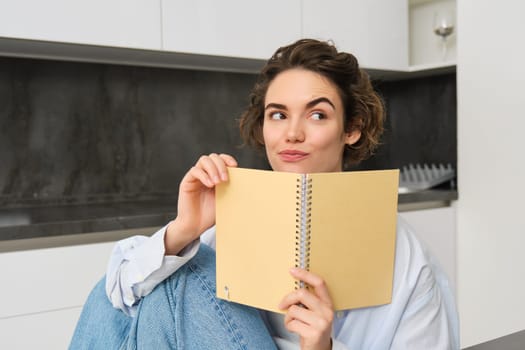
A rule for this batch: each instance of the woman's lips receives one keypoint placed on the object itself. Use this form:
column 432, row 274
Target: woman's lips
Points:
column 292, row 155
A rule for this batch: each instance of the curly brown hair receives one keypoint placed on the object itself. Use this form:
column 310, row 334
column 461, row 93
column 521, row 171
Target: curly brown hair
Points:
column 363, row 108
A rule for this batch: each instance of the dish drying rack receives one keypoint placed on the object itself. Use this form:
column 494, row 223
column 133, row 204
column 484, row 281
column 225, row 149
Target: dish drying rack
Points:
column 419, row 177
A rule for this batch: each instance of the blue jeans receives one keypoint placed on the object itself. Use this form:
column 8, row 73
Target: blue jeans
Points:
column 180, row 313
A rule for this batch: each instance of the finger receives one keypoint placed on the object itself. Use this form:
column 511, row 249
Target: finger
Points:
column 198, row 174
column 297, row 312
column 320, row 319
column 306, row 298
column 221, row 165
column 317, row 283
column 207, row 164
column 309, row 325
column 297, row 327
column 229, row 160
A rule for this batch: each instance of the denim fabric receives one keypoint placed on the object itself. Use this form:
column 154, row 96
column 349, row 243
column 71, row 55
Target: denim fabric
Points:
column 100, row 325
column 180, row 313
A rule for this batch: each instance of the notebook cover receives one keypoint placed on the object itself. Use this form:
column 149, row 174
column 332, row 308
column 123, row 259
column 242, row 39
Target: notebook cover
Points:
column 352, row 236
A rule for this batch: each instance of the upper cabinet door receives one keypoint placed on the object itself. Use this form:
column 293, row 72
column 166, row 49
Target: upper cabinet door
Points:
column 375, row 31
column 237, row 28
column 119, row 23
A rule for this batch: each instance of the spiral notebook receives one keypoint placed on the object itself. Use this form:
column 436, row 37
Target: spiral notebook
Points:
column 341, row 226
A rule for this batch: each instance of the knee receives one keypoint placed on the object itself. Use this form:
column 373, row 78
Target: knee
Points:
column 99, row 322
column 197, row 275
column 98, row 293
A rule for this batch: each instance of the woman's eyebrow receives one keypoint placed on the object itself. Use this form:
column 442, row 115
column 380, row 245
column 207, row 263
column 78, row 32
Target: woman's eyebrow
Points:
column 319, row 100
column 275, row 105
column 308, row 105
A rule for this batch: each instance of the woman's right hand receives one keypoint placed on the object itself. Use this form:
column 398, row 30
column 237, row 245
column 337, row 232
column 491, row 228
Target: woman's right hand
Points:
column 196, row 203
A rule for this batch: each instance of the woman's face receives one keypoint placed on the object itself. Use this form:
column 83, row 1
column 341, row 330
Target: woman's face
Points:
column 303, row 123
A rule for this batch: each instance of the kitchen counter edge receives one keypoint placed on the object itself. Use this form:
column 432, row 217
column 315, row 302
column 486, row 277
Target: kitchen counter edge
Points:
column 100, row 220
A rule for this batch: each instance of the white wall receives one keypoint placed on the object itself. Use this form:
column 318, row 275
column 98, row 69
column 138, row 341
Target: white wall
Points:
column 491, row 168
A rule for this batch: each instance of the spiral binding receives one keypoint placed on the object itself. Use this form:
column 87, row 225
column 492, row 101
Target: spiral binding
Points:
column 303, row 224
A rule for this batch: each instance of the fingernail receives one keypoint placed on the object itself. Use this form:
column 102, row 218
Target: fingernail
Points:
column 224, row 177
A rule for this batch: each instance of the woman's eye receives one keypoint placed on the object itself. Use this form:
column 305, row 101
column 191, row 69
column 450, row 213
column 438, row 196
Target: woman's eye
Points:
column 277, row 116
column 318, row 116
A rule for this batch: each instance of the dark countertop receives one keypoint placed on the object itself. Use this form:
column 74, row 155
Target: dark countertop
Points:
column 47, row 221
column 428, row 196
column 58, row 220
column 514, row 341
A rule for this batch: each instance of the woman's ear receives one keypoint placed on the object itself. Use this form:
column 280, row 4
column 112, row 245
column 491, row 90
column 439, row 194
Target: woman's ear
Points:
column 352, row 137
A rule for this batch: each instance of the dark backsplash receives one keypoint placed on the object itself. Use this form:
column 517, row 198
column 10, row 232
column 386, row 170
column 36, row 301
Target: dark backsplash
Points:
column 79, row 132
column 421, row 124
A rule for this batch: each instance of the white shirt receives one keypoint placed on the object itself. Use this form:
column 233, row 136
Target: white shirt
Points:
column 421, row 316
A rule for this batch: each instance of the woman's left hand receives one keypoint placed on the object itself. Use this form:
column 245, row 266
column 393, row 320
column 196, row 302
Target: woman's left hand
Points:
column 309, row 312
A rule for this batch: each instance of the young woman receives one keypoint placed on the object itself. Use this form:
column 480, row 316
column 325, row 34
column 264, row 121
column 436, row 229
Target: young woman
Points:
column 312, row 110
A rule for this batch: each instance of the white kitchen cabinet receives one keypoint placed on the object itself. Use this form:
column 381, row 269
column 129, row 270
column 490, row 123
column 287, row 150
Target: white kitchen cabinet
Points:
column 43, row 291
column 46, row 330
column 375, row 31
column 436, row 229
column 236, row 28
column 118, row 23
column 387, row 36
column 427, row 48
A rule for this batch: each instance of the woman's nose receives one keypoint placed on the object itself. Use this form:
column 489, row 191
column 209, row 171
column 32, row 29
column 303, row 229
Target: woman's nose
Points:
column 295, row 132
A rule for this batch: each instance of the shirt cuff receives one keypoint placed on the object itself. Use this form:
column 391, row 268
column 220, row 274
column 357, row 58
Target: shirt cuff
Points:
column 150, row 266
